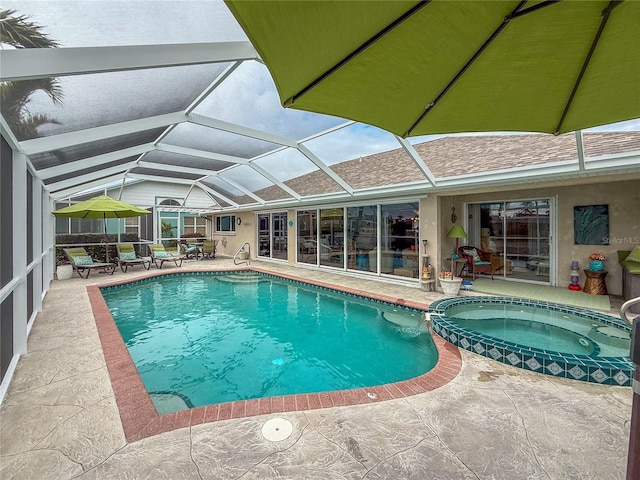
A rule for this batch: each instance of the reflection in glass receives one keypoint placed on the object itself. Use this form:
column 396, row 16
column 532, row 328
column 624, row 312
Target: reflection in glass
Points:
column 362, row 237
column 168, row 226
column 399, row 242
column 272, row 235
column 331, row 247
column 279, row 235
column 308, row 236
column 264, row 239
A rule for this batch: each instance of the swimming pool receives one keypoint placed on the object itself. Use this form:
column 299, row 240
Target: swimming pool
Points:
column 212, row 337
column 548, row 338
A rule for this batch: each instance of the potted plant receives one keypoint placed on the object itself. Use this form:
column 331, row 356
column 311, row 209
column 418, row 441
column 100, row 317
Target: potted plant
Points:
column 450, row 285
column 596, row 261
column 64, row 270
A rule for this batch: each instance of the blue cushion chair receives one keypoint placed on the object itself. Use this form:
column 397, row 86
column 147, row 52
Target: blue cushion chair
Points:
column 127, row 257
column 159, row 255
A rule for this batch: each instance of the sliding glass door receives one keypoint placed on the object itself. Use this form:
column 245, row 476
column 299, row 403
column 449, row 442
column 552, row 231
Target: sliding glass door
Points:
column 272, row 235
column 518, row 234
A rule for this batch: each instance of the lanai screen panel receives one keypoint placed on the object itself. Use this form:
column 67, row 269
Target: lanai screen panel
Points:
column 107, row 98
column 159, row 172
column 68, row 155
column 365, row 156
column 353, row 141
column 168, row 159
column 253, row 181
column 224, row 188
column 463, row 155
column 256, row 105
column 610, row 143
column 96, row 23
column 298, row 172
column 91, row 169
column 212, row 140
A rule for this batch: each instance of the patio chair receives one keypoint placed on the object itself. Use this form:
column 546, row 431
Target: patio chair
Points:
column 478, row 261
column 189, row 251
column 209, row 248
column 83, row 263
column 127, row 257
column 159, row 255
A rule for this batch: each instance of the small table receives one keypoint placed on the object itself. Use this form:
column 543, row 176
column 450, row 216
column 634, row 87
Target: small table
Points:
column 595, row 282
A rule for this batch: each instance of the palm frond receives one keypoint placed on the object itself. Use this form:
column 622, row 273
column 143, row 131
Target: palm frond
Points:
column 19, row 32
column 28, row 126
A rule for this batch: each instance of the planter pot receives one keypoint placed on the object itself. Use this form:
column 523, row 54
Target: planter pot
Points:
column 450, row 286
column 64, row 272
column 596, row 265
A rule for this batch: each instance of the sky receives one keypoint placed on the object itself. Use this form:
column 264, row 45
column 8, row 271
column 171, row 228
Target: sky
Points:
column 248, row 97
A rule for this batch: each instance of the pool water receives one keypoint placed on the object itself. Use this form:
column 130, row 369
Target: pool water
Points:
column 543, row 329
column 213, row 338
column 534, row 334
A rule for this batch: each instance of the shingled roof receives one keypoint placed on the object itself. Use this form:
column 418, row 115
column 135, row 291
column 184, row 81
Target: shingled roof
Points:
column 459, row 155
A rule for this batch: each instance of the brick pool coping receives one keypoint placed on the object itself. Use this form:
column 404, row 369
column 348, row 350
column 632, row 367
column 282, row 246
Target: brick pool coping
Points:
column 138, row 414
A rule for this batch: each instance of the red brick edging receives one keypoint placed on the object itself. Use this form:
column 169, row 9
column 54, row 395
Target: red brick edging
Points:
column 140, row 419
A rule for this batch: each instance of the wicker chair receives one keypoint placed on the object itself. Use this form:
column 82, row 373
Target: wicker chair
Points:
column 478, row 261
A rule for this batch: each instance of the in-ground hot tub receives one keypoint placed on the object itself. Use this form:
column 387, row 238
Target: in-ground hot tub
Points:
column 543, row 337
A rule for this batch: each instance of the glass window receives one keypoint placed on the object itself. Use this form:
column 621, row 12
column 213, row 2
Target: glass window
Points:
column 279, row 235
column 332, row 237
column 308, row 236
column 226, row 223
column 168, row 227
column 195, row 224
column 264, row 237
column 399, row 240
column 362, row 237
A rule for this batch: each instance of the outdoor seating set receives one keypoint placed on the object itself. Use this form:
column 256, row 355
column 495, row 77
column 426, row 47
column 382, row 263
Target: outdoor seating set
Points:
column 195, row 250
column 127, row 257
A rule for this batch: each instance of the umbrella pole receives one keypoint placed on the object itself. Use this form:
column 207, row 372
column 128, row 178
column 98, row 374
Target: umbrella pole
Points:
column 106, row 237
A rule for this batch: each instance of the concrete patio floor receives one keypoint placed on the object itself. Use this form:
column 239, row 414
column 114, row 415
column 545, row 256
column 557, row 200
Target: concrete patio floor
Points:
column 59, row 419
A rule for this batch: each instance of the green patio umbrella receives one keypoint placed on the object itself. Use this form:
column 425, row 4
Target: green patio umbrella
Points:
column 103, row 207
column 425, row 67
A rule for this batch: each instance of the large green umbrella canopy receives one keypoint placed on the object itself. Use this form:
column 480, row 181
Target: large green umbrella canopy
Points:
column 103, row 207
column 416, row 68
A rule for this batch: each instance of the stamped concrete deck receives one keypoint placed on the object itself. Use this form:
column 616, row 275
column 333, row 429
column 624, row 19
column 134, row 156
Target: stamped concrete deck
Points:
column 60, row 418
